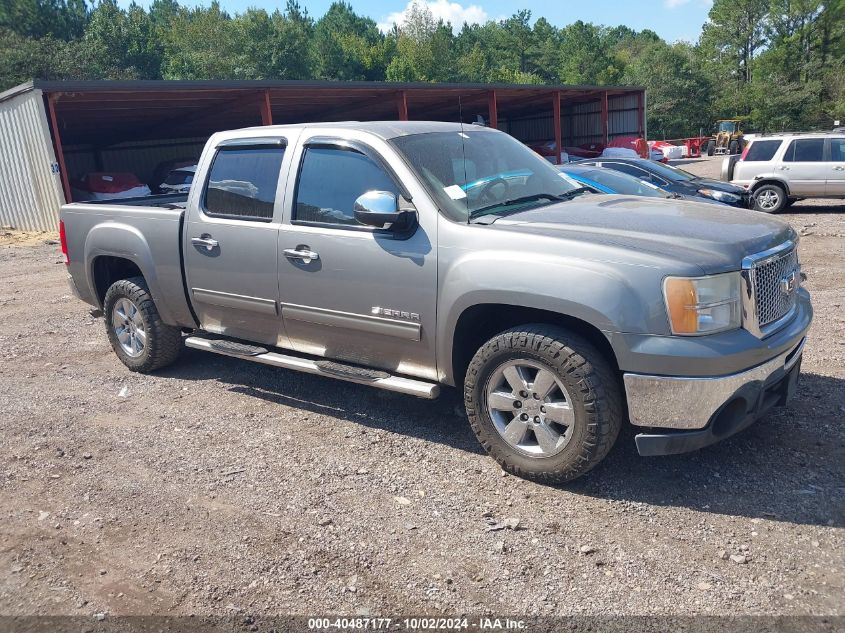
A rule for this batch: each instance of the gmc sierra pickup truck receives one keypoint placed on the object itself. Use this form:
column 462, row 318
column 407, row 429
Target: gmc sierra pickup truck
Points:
column 412, row 255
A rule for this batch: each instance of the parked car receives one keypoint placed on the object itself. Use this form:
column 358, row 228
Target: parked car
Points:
column 671, row 178
column 357, row 251
column 179, row 180
column 548, row 150
column 108, row 185
column 603, row 180
column 165, row 167
column 778, row 170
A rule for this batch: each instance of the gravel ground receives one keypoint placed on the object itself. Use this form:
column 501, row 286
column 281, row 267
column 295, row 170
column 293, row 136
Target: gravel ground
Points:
column 218, row 486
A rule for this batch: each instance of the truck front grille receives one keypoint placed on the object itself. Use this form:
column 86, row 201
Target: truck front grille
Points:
column 775, row 281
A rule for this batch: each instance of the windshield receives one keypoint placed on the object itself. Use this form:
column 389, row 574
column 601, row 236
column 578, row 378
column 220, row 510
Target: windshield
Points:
column 475, row 173
column 622, row 183
column 179, row 177
column 670, row 173
column 727, row 126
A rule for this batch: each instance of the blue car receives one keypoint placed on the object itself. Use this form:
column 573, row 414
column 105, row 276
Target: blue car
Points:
column 603, row 180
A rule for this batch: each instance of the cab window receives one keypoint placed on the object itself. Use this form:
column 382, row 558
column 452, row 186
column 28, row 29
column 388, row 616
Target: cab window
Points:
column 242, row 183
column 331, row 179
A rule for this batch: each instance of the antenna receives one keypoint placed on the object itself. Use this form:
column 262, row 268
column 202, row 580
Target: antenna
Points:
column 463, row 150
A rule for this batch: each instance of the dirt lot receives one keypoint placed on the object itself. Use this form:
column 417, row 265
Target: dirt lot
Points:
column 219, row 487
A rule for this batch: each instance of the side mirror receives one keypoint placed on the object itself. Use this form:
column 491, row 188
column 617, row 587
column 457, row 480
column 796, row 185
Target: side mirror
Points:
column 377, row 208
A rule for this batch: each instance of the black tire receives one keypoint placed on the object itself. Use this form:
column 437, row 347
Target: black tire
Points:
column 733, row 147
column 594, row 391
column 769, row 198
column 163, row 342
column 711, row 147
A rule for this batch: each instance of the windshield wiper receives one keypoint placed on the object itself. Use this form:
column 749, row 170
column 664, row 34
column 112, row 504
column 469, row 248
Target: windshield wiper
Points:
column 531, row 198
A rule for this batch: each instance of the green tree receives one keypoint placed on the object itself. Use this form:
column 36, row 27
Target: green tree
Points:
column 201, row 43
column 678, row 103
column 423, row 48
column 347, row 46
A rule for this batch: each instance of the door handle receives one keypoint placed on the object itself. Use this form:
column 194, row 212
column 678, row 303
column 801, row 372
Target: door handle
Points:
column 205, row 240
column 839, row 168
column 301, row 252
column 784, row 168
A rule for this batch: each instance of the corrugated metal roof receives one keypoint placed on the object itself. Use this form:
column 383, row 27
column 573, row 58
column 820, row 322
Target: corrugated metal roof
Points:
column 171, row 84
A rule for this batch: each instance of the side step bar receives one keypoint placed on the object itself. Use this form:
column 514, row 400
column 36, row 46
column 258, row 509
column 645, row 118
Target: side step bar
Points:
column 329, row 369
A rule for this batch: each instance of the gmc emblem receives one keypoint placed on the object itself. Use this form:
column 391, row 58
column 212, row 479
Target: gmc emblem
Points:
column 789, row 283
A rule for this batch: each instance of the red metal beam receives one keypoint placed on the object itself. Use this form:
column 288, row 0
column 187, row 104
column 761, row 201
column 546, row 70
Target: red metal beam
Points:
column 402, row 105
column 556, row 116
column 57, row 146
column 604, row 127
column 266, row 110
column 640, row 115
column 493, row 109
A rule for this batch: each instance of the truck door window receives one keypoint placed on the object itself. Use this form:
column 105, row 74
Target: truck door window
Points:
column 805, row 150
column 242, row 183
column 331, row 179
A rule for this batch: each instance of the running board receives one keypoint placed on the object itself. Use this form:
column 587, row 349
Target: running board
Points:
column 329, row 369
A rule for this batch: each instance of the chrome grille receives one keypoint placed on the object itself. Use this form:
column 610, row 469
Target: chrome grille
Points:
column 767, row 275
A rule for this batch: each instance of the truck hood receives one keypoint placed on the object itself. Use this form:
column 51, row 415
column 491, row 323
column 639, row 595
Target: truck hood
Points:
column 714, row 237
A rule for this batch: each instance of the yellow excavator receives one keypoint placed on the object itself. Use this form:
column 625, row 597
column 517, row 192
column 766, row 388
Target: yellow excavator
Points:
column 727, row 138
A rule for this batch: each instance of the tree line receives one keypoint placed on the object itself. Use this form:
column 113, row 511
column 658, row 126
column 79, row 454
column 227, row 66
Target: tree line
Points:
column 779, row 64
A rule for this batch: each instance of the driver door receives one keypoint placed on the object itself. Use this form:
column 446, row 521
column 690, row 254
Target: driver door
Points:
column 348, row 291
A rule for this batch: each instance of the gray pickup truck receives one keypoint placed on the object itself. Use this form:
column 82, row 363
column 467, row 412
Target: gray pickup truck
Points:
column 412, row 255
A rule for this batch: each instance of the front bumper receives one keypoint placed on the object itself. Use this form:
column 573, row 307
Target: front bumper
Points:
column 699, row 411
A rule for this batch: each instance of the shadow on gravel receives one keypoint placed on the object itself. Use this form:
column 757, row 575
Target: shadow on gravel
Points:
column 789, row 466
column 440, row 420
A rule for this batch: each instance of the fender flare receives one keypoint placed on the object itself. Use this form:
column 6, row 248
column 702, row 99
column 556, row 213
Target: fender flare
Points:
column 116, row 239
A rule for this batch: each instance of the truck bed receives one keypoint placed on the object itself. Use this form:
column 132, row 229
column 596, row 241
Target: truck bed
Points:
column 146, row 231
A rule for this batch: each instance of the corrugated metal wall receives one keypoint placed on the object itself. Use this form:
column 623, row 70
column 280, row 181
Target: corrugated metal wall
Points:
column 30, row 185
column 580, row 124
column 139, row 158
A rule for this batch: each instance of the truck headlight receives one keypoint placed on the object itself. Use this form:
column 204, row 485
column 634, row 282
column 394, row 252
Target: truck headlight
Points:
column 703, row 305
column 721, row 196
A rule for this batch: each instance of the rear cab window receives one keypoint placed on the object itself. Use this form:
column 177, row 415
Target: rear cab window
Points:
column 243, row 181
column 762, row 151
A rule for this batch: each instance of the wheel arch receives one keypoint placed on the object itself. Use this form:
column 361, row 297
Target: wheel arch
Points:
column 108, row 269
column 122, row 249
column 480, row 322
column 770, row 180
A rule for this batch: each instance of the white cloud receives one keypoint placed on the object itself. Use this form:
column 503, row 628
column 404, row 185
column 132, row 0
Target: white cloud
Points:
column 673, row 4
column 452, row 12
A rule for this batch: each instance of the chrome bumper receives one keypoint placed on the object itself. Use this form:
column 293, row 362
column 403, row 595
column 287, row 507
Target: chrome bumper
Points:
column 671, row 402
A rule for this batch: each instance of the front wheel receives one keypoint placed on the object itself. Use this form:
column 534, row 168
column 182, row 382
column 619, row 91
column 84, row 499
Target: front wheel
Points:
column 543, row 402
column 136, row 332
column 769, row 198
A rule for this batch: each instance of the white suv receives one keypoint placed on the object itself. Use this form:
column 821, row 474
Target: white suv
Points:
column 783, row 168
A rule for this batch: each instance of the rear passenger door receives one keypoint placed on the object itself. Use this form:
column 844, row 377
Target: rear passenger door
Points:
column 835, row 185
column 803, row 167
column 231, row 239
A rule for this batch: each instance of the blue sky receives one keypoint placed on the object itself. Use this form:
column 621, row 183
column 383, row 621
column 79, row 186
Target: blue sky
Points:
column 671, row 19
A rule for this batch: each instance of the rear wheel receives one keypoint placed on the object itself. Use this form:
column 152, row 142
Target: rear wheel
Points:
column 733, row 148
column 136, row 332
column 769, row 198
column 543, row 402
